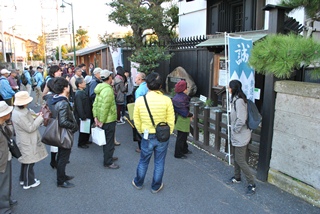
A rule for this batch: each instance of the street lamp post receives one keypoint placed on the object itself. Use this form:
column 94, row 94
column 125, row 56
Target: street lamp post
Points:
column 74, row 43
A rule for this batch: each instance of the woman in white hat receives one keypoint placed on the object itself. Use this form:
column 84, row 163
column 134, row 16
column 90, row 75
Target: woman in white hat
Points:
column 5, row 161
column 28, row 139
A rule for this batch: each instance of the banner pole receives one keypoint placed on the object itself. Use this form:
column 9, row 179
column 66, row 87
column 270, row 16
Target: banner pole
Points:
column 226, row 52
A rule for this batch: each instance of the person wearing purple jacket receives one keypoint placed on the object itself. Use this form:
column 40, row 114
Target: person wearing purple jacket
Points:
column 181, row 102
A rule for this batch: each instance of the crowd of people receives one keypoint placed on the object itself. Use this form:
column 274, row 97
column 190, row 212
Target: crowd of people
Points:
column 74, row 94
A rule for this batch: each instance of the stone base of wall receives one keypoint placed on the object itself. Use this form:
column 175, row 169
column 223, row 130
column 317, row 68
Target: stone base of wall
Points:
column 294, row 187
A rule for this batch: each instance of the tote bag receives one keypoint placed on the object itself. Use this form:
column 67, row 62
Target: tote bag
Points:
column 54, row 135
column 98, row 136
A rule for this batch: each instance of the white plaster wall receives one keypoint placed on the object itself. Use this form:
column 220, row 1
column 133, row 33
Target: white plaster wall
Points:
column 192, row 18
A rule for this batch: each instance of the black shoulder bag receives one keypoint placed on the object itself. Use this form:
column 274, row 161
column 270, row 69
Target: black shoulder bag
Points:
column 14, row 149
column 162, row 128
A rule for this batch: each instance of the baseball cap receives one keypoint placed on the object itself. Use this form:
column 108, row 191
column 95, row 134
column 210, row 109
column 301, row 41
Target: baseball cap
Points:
column 5, row 71
column 104, row 74
column 97, row 70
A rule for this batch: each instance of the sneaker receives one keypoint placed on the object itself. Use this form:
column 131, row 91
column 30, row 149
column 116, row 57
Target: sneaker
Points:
column 251, row 189
column 37, row 183
column 156, row 191
column 21, row 183
column 116, row 143
column 134, row 184
column 119, row 122
column 233, row 180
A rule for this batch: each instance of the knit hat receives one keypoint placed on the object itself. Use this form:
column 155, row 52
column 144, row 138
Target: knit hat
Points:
column 22, row 98
column 180, row 86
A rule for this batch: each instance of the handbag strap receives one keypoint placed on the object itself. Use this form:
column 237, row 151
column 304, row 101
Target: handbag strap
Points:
column 145, row 100
column 9, row 140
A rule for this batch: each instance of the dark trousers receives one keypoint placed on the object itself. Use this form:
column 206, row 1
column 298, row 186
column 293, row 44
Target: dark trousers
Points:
column 240, row 163
column 27, row 174
column 108, row 149
column 119, row 111
column 5, row 189
column 83, row 138
column 62, row 160
column 181, row 147
column 136, row 137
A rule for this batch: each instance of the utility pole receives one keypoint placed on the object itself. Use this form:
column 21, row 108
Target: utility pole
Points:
column 43, row 36
column 14, row 47
column 59, row 46
column 2, row 33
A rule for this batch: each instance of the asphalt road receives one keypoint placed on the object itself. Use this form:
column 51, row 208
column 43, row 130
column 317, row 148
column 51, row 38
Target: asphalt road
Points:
column 193, row 185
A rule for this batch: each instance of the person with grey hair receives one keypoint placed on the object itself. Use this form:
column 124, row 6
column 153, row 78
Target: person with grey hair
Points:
column 96, row 79
column 82, row 111
column 77, row 74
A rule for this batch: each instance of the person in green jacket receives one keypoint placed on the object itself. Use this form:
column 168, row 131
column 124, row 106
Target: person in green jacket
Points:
column 105, row 116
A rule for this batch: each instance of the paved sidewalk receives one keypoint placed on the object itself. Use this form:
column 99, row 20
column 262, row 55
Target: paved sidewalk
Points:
column 193, row 185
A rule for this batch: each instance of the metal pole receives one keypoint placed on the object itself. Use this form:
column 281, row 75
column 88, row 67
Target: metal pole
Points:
column 74, row 43
column 227, row 95
column 58, row 26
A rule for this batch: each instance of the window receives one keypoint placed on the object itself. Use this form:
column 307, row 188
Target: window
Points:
column 237, row 18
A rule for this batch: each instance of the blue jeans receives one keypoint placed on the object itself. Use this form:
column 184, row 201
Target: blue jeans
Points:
column 152, row 145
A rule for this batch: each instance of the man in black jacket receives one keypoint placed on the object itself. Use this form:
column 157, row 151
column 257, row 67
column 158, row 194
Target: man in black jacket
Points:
column 82, row 111
column 63, row 112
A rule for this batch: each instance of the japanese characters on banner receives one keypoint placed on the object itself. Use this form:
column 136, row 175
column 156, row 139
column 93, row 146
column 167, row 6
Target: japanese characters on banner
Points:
column 239, row 53
column 116, row 54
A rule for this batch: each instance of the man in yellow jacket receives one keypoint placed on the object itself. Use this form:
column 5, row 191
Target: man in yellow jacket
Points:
column 161, row 109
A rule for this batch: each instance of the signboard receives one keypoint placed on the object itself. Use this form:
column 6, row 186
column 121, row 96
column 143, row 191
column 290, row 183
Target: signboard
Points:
column 239, row 50
column 223, row 74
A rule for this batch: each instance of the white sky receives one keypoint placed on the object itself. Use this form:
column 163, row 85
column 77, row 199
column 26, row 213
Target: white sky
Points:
column 91, row 15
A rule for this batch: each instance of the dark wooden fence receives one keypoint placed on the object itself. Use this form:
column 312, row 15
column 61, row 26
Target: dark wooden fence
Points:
column 196, row 61
column 209, row 132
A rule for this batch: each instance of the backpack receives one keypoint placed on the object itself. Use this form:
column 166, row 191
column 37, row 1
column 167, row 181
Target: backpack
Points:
column 1, row 98
column 254, row 117
column 33, row 80
column 24, row 79
column 43, row 85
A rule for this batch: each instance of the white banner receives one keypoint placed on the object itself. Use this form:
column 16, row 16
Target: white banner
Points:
column 116, row 54
column 134, row 71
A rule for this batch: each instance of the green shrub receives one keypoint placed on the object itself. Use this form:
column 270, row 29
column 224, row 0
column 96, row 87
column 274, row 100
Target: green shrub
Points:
column 281, row 55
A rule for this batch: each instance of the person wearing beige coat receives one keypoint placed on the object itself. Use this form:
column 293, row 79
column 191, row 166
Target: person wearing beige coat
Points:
column 28, row 139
